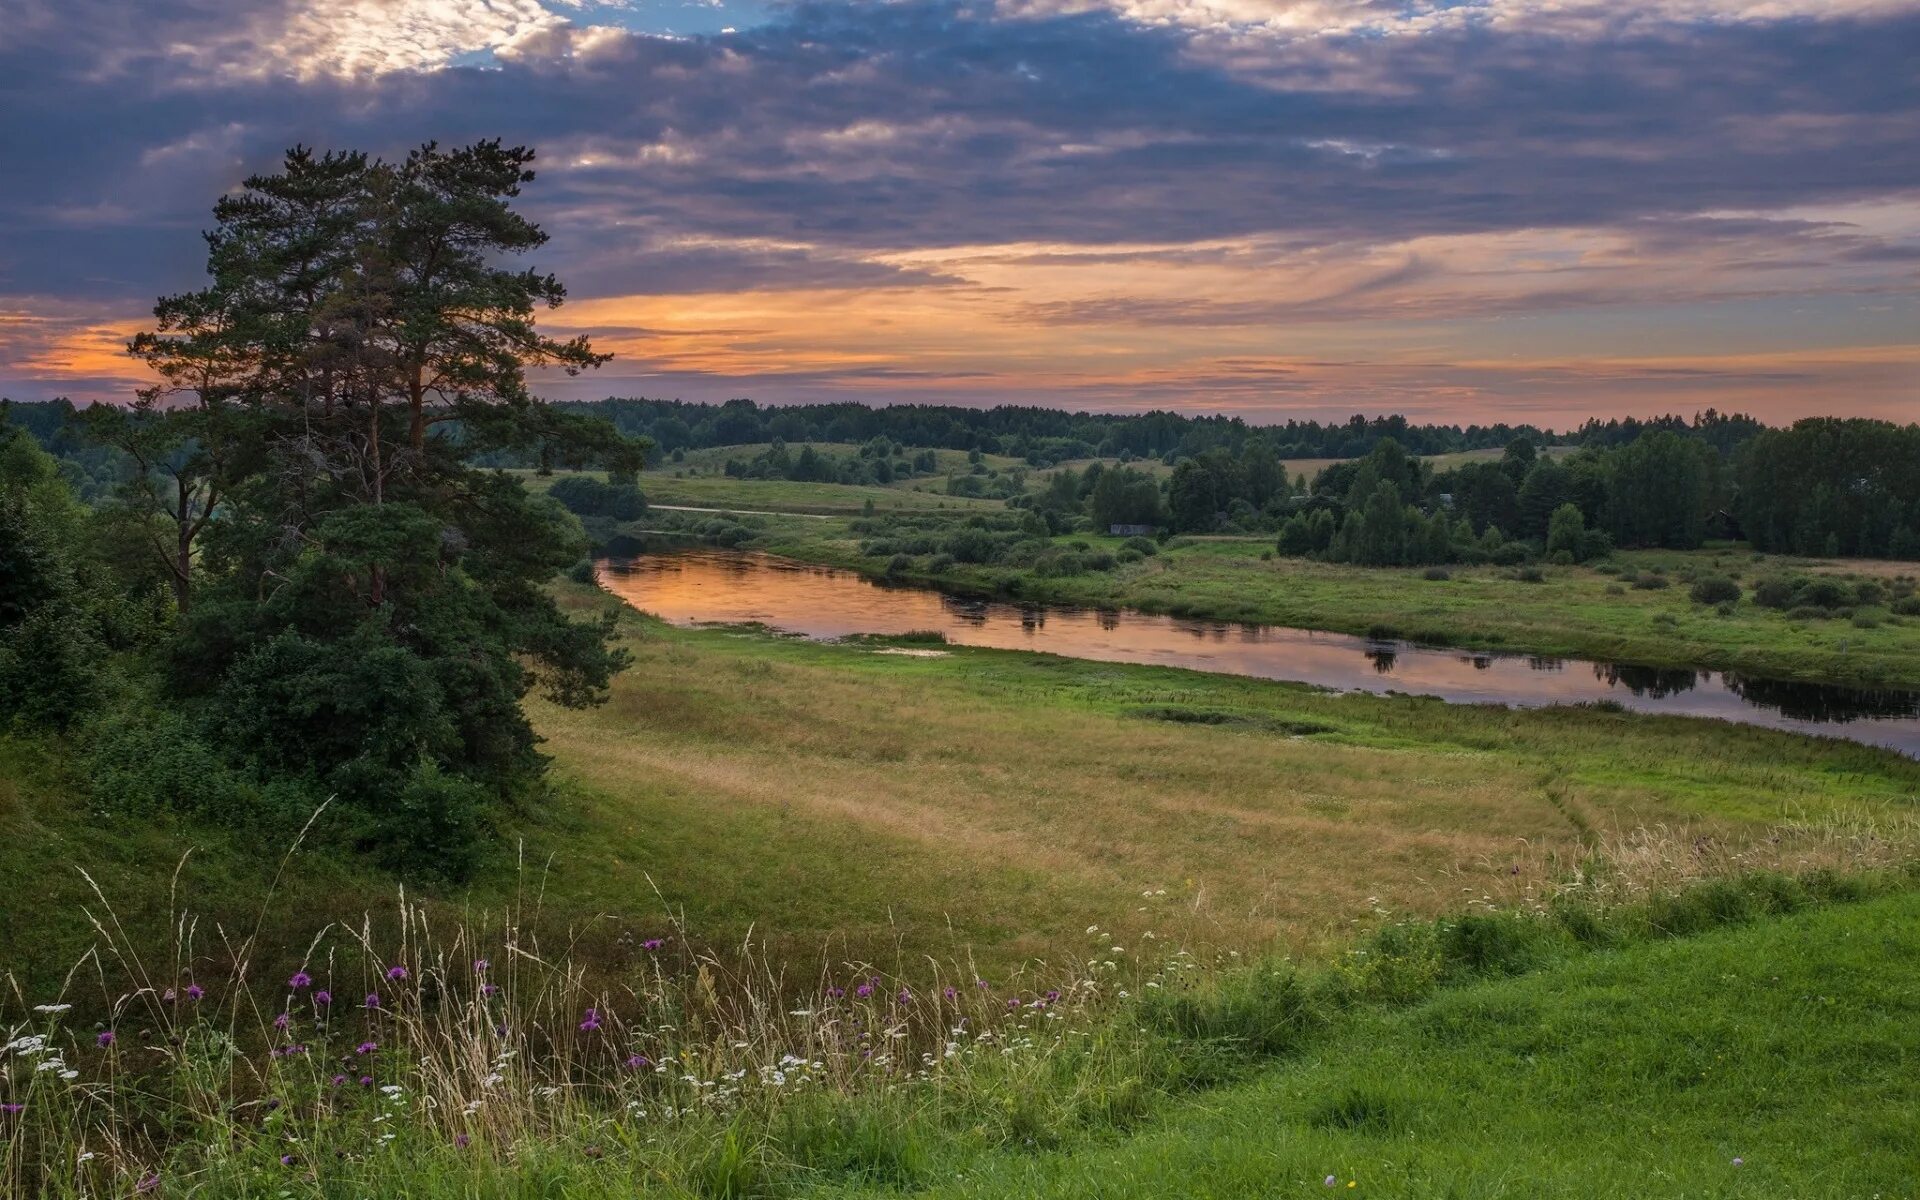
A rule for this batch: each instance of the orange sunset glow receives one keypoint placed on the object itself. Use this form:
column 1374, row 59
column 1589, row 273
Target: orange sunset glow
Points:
column 1278, row 209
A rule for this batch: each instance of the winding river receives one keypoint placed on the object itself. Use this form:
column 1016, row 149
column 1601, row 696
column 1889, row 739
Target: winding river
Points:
column 703, row 586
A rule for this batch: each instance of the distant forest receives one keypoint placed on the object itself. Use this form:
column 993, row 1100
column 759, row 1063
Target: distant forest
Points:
column 1041, row 436
column 1823, row 486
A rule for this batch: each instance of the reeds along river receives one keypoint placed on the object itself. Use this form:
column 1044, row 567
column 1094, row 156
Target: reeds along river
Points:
column 691, row 586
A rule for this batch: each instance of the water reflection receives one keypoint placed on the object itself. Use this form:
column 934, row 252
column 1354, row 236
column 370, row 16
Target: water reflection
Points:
column 1655, row 683
column 702, row 585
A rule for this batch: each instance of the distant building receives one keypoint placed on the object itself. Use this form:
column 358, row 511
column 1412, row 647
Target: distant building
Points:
column 1130, row 530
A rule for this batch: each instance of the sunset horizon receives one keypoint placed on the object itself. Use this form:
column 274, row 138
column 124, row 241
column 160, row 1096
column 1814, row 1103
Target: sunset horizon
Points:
column 1500, row 211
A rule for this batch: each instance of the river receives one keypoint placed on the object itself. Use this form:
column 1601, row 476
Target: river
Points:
column 706, row 586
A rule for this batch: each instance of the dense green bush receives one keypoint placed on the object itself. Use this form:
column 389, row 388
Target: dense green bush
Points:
column 589, row 497
column 1714, row 589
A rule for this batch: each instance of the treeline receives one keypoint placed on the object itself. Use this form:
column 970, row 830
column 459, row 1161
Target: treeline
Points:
column 1824, row 486
column 295, row 592
column 1041, row 436
column 879, row 461
column 1832, row 486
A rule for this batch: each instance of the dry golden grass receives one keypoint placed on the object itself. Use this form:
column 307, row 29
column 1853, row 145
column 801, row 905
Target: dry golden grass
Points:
column 1006, row 802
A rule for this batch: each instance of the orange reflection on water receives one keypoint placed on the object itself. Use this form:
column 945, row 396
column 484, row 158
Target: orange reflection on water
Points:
column 728, row 587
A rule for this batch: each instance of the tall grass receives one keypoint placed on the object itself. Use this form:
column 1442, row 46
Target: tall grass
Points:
column 464, row 1057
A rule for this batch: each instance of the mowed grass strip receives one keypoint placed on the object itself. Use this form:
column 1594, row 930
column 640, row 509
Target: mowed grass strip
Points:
column 1003, row 802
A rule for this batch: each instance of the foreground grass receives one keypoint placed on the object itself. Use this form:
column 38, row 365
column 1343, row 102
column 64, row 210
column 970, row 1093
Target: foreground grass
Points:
column 1767, row 1061
column 1744, row 1036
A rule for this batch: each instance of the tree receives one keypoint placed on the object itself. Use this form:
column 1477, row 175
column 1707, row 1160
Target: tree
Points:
column 1193, row 497
column 1381, row 539
column 1124, row 496
column 1544, row 490
column 358, row 346
column 1566, row 533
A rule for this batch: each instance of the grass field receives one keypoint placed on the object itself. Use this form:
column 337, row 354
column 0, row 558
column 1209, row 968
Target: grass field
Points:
column 1005, row 801
column 977, row 812
column 1773, row 1060
column 992, row 802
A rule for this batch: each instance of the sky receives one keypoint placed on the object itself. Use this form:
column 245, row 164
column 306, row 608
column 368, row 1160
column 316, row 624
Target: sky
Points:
column 1460, row 210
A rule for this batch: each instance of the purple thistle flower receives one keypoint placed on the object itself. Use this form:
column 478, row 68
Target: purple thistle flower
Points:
column 287, row 1160
column 480, row 966
column 366, row 1081
column 298, row 980
column 167, row 997
column 105, row 1039
column 836, row 993
column 322, row 998
column 1052, row 996
column 283, row 1020
column 489, row 989
column 1013, row 1002
column 653, row 943
column 366, row 1048
column 591, row 1022
column 461, row 1141
column 373, row 999
column 195, row 991
column 982, row 984
column 905, row 996
column 12, row 1109
column 339, row 1080
column 148, row 1182
column 636, row 1061
column 863, row 991
column 1331, row 1181
column 949, row 993
column 396, row 972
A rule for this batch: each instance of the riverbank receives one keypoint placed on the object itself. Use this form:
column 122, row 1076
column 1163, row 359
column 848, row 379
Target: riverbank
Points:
column 1588, row 612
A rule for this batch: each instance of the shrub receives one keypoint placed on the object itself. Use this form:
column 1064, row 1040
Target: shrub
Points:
column 1823, row 591
column 899, row 563
column 1714, row 589
column 1528, row 575
column 1436, row 574
column 1141, row 545
column 1614, row 589
column 1773, row 593
column 581, row 572
column 1651, row 582
column 1907, row 606
column 156, row 762
column 589, row 497
column 1865, row 621
column 940, row 562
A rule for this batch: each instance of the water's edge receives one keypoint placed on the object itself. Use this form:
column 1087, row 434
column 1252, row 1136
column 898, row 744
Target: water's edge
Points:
column 704, row 585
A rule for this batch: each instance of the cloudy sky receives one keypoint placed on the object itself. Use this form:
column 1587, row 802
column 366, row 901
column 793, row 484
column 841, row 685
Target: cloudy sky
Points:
column 1457, row 209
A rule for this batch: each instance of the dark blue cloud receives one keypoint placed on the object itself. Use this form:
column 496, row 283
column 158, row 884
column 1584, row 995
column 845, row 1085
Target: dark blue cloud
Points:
column 926, row 123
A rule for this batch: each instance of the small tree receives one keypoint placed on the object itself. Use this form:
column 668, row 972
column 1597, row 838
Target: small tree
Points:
column 1566, row 533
